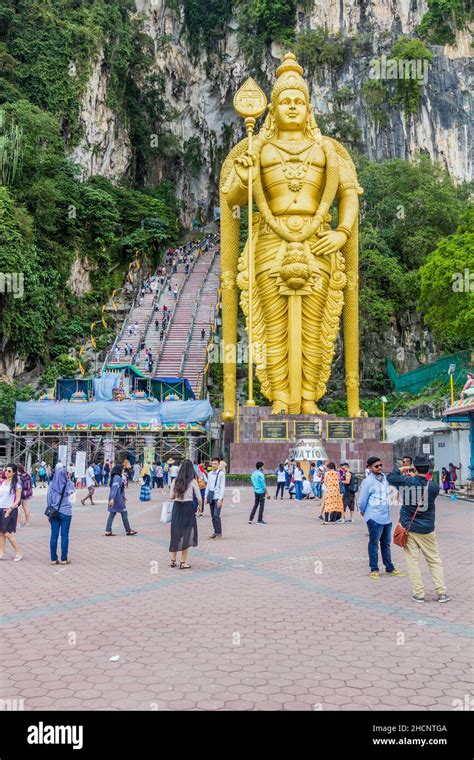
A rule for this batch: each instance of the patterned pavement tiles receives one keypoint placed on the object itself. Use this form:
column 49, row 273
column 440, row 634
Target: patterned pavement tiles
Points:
column 278, row 616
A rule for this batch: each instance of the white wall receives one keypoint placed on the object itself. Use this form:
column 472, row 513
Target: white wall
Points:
column 452, row 446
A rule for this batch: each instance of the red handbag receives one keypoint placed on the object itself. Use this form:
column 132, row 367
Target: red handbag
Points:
column 400, row 534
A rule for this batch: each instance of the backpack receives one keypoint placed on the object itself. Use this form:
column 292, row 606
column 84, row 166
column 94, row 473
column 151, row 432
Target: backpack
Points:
column 27, row 491
column 354, row 484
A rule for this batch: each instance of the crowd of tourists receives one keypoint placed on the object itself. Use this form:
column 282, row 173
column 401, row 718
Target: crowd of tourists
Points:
column 161, row 279
column 409, row 488
column 191, row 487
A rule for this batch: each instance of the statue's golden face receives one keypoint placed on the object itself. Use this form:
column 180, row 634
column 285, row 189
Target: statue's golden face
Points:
column 291, row 110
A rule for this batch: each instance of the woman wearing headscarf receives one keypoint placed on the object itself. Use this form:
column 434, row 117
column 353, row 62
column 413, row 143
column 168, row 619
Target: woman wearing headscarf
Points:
column 145, row 490
column 59, row 497
column 10, row 498
column 145, row 474
column 117, row 502
column 445, row 481
column 184, row 532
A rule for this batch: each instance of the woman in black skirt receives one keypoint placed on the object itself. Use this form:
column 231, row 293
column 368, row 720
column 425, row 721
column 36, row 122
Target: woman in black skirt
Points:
column 184, row 531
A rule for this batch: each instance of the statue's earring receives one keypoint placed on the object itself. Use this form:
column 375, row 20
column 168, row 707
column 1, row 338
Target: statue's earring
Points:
column 269, row 126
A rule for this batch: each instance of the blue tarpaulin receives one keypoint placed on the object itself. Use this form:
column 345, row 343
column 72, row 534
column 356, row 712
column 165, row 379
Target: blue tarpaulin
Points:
column 65, row 387
column 96, row 412
column 104, row 385
column 185, row 411
column 162, row 386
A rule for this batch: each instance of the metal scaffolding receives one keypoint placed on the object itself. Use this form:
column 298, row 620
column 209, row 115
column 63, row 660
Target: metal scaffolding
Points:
column 31, row 447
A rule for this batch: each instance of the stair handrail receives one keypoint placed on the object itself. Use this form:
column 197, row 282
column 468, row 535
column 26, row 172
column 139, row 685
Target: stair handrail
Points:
column 125, row 323
column 152, row 311
column 196, row 309
column 203, row 373
column 132, row 358
column 119, row 336
column 168, row 326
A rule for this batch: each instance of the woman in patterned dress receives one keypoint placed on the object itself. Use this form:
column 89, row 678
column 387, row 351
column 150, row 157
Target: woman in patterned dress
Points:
column 333, row 508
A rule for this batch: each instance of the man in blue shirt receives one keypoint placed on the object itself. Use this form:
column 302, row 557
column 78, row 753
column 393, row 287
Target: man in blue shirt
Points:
column 374, row 505
column 260, row 491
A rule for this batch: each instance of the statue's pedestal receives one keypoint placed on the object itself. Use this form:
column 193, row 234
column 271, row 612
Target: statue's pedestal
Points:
column 260, row 436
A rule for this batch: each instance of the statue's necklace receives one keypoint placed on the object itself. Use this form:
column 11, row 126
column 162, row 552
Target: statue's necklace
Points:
column 292, row 147
column 294, row 167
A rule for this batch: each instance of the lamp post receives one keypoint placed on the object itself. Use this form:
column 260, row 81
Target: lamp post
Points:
column 451, row 371
column 384, row 401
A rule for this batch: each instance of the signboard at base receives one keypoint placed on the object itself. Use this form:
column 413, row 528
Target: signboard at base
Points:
column 339, row 429
column 308, row 429
column 274, row 430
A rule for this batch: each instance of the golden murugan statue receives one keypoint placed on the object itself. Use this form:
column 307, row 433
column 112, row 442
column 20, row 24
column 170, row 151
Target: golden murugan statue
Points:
column 305, row 272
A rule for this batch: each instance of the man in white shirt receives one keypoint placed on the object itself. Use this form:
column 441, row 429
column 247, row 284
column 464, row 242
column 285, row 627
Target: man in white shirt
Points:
column 174, row 469
column 90, row 485
column 306, row 488
column 214, row 495
column 298, row 478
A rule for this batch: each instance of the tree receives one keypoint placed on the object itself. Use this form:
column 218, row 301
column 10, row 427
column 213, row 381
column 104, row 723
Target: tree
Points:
column 24, row 309
column 9, row 395
column 413, row 205
column 447, row 287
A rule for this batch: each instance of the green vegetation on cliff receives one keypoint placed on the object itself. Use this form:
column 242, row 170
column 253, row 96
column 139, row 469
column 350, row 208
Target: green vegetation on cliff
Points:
column 443, row 18
column 447, row 287
column 407, row 209
column 49, row 219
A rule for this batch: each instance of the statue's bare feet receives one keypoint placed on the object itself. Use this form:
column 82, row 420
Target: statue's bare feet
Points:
column 279, row 406
column 310, row 407
column 357, row 412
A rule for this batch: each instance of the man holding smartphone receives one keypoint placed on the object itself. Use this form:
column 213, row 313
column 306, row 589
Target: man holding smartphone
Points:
column 417, row 515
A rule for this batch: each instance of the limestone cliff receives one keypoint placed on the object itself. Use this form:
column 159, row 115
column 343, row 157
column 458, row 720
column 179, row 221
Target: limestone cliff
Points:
column 200, row 92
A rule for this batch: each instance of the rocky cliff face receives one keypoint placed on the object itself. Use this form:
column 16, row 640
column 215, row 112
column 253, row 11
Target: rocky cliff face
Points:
column 105, row 146
column 79, row 280
column 201, row 93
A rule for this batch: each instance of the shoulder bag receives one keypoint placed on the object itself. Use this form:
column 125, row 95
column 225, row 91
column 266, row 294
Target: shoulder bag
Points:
column 53, row 512
column 210, row 494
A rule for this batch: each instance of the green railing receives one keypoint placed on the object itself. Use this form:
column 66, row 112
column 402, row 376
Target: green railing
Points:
column 418, row 379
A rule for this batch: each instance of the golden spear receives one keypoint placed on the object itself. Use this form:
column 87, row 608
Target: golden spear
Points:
column 250, row 103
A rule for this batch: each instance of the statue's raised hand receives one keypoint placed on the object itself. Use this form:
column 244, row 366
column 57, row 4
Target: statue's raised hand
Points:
column 330, row 241
column 242, row 164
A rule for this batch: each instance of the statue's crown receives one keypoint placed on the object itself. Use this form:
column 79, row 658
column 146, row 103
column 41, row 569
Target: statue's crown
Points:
column 289, row 76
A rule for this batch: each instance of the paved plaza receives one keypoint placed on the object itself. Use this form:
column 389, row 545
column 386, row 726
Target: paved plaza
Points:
column 278, row 616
